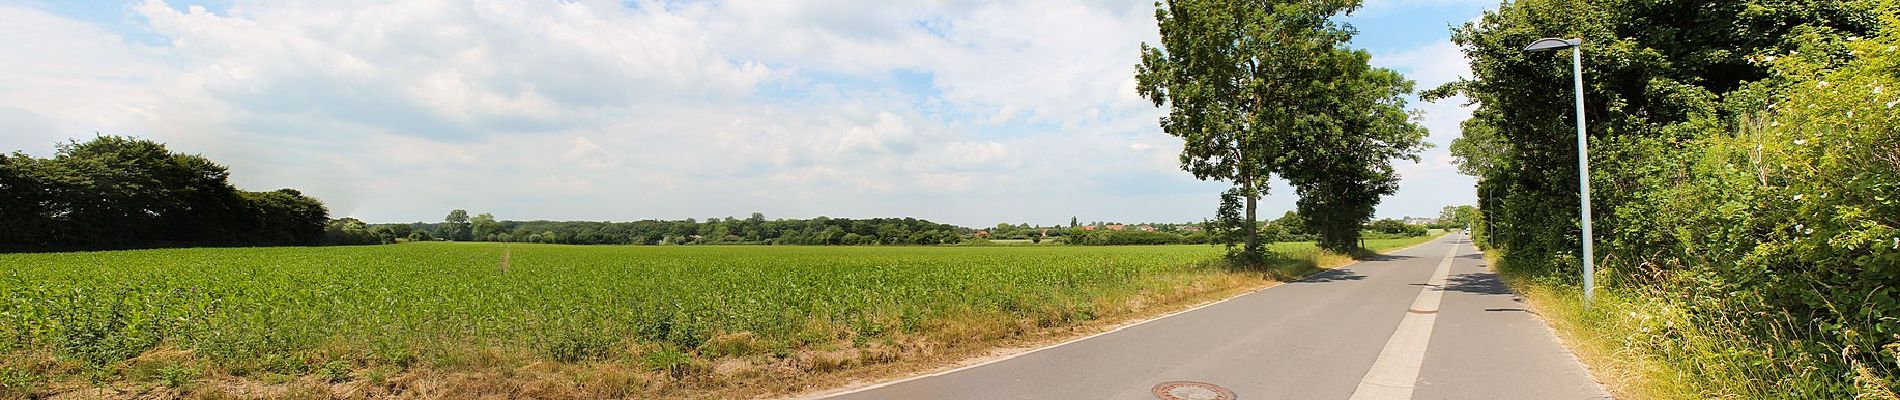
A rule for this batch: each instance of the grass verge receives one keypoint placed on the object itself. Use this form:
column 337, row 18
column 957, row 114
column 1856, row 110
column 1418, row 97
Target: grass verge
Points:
column 1653, row 343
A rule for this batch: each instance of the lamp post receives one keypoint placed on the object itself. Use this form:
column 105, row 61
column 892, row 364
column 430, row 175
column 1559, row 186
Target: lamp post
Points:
column 1583, row 153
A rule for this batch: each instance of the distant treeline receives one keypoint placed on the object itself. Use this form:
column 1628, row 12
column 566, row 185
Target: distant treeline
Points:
column 1288, row 228
column 120, row 192
column 754, row 230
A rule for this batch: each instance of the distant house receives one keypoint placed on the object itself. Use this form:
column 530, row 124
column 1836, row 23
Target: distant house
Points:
column 1088, row 227
column 1191, row 228
column 1115, row 227
column 982, row 234
column 1421, row 221
column 1146, row 228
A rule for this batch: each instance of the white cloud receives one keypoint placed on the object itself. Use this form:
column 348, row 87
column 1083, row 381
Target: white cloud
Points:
column 65, row 78
column 1430, row 65
column 1377, row 8
column 1434, row 181
column 963, row 111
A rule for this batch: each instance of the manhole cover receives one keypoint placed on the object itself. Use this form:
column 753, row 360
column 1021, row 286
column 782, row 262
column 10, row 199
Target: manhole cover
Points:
column 1184, row 390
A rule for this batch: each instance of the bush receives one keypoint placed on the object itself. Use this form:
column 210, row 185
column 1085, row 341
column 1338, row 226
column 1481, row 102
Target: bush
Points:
column 1396, row 227
column 1120, row 238
column 1756, row 206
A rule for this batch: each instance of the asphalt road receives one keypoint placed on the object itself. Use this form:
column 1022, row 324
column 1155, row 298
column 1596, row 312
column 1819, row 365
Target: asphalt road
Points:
column 1428, row 322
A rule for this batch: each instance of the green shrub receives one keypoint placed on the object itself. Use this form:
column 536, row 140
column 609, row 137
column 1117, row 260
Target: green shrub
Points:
column 668, row 360
column 1754, row 211
column 578, row 346
column 177, row 376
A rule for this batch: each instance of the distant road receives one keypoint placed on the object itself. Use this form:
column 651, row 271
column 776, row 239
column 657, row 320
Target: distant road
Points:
column 1378, row 329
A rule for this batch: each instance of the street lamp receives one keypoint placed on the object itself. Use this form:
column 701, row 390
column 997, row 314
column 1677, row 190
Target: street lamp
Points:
column 1583, row 152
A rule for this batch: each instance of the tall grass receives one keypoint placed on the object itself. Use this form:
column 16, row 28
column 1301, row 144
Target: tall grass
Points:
column 1658, row 342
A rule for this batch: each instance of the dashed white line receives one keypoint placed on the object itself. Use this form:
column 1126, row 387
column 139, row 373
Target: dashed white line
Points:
column 1395, row 373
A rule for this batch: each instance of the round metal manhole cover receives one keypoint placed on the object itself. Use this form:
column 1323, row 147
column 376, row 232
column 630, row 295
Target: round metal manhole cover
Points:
column 1184, row 390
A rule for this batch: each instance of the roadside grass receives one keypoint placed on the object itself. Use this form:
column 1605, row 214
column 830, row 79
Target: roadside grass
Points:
column 1599, row 341
column 1649, row 343
column 442, row 320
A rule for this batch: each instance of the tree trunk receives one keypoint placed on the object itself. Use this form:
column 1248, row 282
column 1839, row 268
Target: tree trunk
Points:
column 1253, row 228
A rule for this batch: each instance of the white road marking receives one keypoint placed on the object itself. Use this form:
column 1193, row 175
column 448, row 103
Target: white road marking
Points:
column 1395, row 373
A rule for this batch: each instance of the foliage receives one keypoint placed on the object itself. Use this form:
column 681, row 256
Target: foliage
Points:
column 1744, row 161
column 350, row 231
column 1396, row 227
column 1256, row 88
column 1458, row 217
column 455, row 226
column 1234, row 77
column 1344, row 167
column 121, row 192
column 1131, row 237
column 754, row 230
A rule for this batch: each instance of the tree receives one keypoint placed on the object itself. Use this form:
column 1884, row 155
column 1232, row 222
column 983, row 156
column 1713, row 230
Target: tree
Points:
column 115, row 192
column 456, row 225
column 484, row 227
column 1240, row 80
column 1345, row 163
column 1742, row 155
column 1461, row 216
column 284, row 216
column 350, row 231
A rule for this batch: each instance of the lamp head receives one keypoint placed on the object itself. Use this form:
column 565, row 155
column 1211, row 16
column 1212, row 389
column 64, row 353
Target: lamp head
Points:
column 1548, row 44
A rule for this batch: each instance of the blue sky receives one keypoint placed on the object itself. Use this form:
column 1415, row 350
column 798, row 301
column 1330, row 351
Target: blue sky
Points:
column 966, row 112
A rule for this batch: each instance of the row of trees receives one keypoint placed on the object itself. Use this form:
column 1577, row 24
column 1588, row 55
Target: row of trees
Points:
column 1290, row 227
column 1745, row 158
column 458, row 225
column 1458, row 217
column 121, row 192
column 1257, row 88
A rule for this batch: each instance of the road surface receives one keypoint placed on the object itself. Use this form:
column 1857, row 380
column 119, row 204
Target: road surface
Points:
column 1429, row 322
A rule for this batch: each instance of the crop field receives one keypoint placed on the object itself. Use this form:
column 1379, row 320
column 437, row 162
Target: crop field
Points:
column 452, row 319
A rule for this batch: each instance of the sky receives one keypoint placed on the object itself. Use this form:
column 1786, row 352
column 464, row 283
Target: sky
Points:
column 963, row 112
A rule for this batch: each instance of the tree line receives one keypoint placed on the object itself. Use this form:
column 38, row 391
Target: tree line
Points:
column 756, row 229
column 122, row 192
column 1745, row 160
column 1290, row 227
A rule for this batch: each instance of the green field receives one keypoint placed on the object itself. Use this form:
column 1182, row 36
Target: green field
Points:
column 347, row 313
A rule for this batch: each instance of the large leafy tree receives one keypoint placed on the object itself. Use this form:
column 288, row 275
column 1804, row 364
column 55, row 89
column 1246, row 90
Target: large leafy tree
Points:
column 1344, row 162
column 1256, row 88
column 1237, row 78
column 115, row 192
column 484, row 227
column 456, row 225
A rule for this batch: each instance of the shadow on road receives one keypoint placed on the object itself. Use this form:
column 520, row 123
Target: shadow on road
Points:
column 1472, row 256
column 1332, row 275
column 1480, row 283
column 1510, row 309
column 1386, row 257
